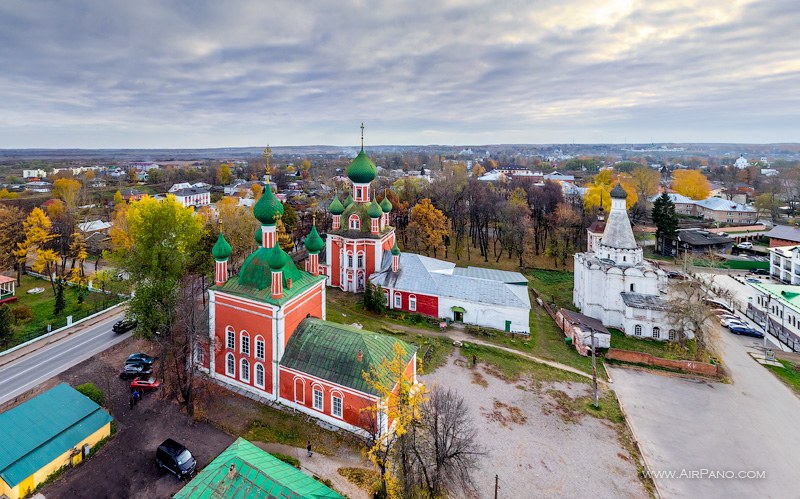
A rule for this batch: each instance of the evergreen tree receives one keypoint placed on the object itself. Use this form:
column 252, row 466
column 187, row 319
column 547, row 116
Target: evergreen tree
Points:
column 368, row 302
column 60, row 302
column 378, row 299
column 6, row 324
column 666, row 221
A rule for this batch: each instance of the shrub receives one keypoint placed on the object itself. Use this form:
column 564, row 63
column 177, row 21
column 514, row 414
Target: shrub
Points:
column 363, row 478
column 91, row 391
column 22, row 313
column 287, row 459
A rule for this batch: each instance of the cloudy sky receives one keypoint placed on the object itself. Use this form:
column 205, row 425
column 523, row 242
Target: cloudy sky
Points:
column 110, row 74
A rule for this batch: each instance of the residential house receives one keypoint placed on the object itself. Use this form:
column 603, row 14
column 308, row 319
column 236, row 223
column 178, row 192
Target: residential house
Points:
column 131, row 195
column 7, row 290
column 724, row 211
column 783, row 235
column 698, row 241
column 777, row 308
column 193, row 197
column 39, row 186
column 579, row 329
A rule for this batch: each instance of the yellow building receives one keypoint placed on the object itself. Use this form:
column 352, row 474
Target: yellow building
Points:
column 44, row 434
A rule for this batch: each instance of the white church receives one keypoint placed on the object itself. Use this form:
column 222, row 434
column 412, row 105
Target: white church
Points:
column 615, row 284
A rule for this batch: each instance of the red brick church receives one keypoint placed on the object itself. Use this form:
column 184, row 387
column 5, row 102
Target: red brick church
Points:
column 268, row 336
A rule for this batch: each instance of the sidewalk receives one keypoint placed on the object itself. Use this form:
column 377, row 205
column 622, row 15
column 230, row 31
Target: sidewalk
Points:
column 324, row 466
column 36, row 344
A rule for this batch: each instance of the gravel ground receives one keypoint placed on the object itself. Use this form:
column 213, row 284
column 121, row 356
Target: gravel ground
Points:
column 535, row 449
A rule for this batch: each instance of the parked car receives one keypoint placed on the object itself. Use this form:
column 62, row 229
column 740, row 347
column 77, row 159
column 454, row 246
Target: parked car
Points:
column 677, row 275
column 133, row 371
column 747, row 331
column 123, row 326
column 720, row 312
column 745, row 245
column 175, row 458
column 753, row 280
column 732, row 323
column 140, row 358
column 761, row 271
column 717, row 304
column 146, row 384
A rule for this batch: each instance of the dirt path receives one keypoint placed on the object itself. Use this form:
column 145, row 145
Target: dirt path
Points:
column 324, row 466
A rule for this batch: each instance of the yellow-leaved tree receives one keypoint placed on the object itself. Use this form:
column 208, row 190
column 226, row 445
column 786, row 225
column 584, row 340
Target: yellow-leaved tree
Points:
column 427, row 226
column 224, row 174
column 37, row 229
column 691, row 183
column 390, row 419
column 67, row 189
column 599, row 190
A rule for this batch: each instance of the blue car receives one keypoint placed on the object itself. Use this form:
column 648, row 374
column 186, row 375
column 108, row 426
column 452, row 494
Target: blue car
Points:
column 746, row 331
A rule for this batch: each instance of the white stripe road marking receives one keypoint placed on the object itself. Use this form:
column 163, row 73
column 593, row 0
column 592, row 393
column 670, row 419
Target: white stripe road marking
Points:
column 60, row 369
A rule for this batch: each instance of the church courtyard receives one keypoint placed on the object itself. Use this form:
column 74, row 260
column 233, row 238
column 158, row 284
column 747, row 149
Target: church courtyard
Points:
column 539, row 434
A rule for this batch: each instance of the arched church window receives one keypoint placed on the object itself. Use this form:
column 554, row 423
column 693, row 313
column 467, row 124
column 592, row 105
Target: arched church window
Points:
column 632, row 288
column 355, row 222
column 244, row 373
column 230, row 365
column 657, row 333
column 637, row 330
column 350, row 260
column 361, row 260
column 672, row 335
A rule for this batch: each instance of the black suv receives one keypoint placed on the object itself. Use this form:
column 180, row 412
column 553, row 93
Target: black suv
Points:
column 124, row 326
column 133, row 371
column 140, row 358
column 175, row 458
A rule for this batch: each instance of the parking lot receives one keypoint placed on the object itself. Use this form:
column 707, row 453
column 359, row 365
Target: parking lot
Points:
column 125, row 466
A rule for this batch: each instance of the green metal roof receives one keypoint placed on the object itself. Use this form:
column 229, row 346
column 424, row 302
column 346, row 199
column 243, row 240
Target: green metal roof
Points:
column 374, row 210
column 348, row 200
column 221, row 249
column 386, row 205
column 330, row 351
column 255, row 279
column 258, row 476
column 314, row 243
column 362, row 170
column 268, row 209
column 395, row 249
column 336, row 207
column 36, row 432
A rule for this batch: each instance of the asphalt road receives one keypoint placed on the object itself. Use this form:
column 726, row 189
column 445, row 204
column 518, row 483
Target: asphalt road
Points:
column 706, row 433
column 30, row 370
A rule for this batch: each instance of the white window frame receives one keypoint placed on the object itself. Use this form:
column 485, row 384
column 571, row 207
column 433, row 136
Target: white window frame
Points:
column 656, row 333
column 230, row 359
column 260, row 348
column 244, row 370
column 672, row 334
column 244, row 343
column 350, row 260
column 398, row 300
column 386, row 297
column 334, row 397
column 637, row 330
column 412, row 303
column 260, row 369
column 314, row 390
column 354, row 222
column 360, row 259
column 230, row 338
column 300, row 400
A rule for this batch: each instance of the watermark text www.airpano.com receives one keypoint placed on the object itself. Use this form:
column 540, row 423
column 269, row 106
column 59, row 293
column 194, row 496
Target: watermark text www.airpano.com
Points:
column 707, row 474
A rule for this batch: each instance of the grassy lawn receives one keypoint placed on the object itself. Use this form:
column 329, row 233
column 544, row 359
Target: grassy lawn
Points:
column 42, row 305
column 663, row 349
column 513, row 366
column 554, row 286
column 789, row 374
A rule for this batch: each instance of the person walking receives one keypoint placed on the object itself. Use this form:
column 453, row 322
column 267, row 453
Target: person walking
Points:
column 308, row 448
column 474, row 360
column 135, row 396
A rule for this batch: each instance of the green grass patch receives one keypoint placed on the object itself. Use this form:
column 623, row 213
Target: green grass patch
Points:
column 512, row 366
column 789, row 374
column 554, row 286
column 43, row 304
column 274, row 425
column 287, row 459
column 663, row 349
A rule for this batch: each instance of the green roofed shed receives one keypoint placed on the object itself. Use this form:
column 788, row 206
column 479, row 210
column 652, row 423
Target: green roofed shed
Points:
column 256, row 475
column 330, row 351
column 39, row 431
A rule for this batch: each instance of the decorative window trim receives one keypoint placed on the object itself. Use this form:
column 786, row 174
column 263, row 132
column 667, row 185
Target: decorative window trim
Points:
column 244, row 370
column 637, row 330
column 260, row 367
column 672, row 335
column 354, row 222
column 656, row 333
column 360, row 259
column 230, row 338
column 263, row 344
column 335, row 395
column 314, row 390
column 228, row 359
column 244, row 343
column 398, row 300
column 302, row 390
column 412, row 303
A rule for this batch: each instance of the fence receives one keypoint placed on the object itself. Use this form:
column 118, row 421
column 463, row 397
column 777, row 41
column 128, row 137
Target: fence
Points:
column 650, row 360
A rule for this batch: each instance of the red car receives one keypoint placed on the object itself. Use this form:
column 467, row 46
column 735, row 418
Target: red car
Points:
column 146, row 384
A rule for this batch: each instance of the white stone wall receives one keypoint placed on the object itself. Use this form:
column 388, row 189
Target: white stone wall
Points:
column 649, row 319
column 487, row 315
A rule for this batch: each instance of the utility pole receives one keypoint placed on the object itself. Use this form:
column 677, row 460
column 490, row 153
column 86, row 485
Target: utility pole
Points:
column 495, row 486
column 594, row 371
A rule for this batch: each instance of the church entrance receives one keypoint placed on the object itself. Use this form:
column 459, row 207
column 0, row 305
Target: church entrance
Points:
column 458, row 314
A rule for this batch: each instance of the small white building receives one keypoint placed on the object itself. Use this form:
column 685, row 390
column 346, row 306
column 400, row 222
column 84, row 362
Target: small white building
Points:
column 741, row 162
column 35, row 173
column 193, row 197
column 776, row 307
column 579, row 328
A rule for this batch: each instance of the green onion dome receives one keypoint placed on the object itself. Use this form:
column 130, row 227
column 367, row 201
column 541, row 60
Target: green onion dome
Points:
column 374, row 210
column 257, row 236
column 277, row 257
column 336, row 207
column 395, row 249
column 348, row 200
column 362, row 170
column 386, row 205
column 221, row 249
column 314, row 243
column 268, row 209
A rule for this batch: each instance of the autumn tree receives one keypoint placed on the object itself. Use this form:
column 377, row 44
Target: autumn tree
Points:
column 399, row 400
column 690, row 315
column 427, row 226
column 691, row 183
column 514, row 230
column 645, row 182
column 566, row 224
column 224, row 174
column 256, row 190
column 5, row 194
column 767, row 205
column 37, row 232
column 599, row 190
column 118, row 199
column 11, row 234
column 238, row 225
column 67, row 189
